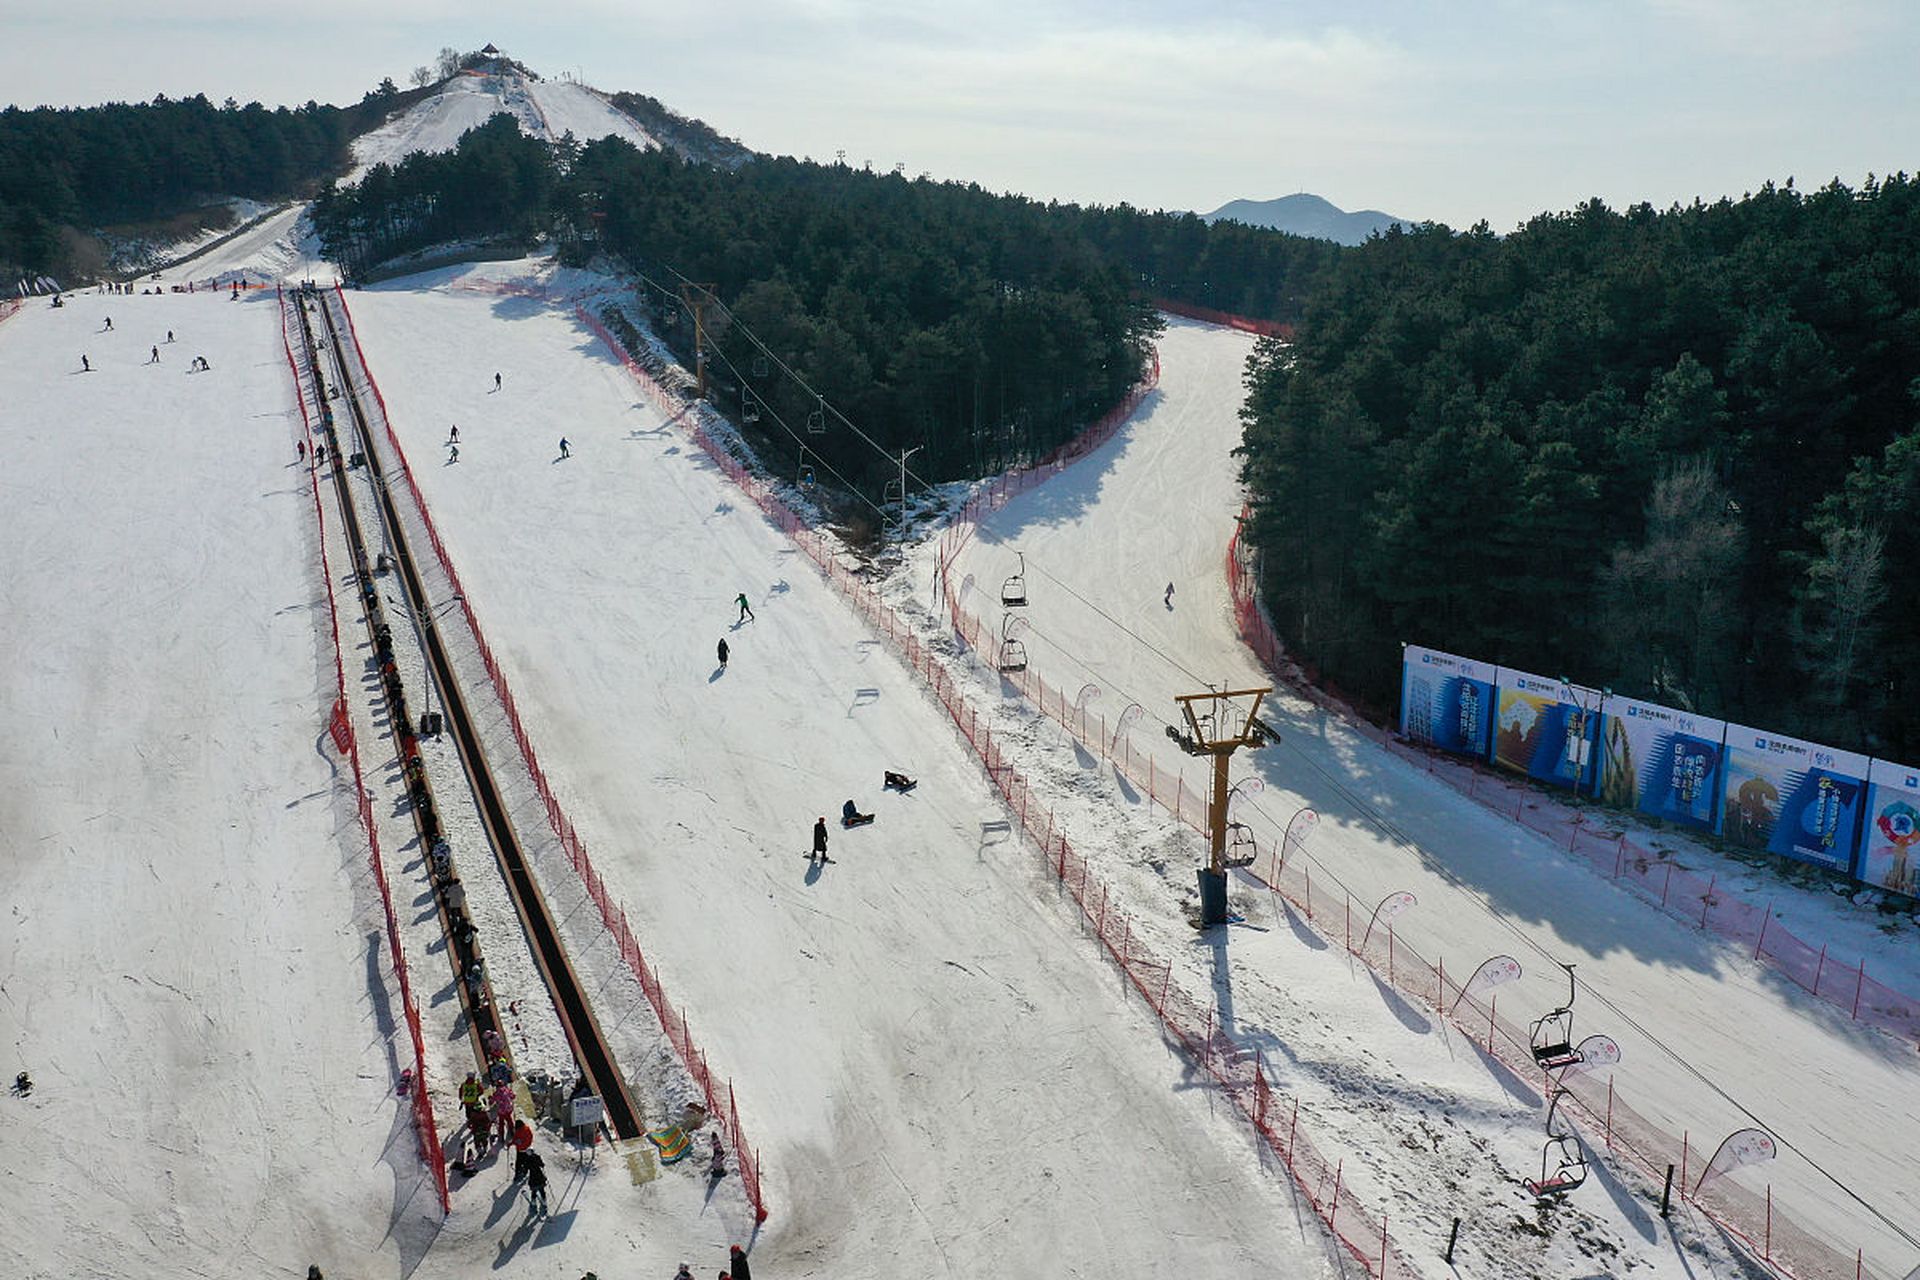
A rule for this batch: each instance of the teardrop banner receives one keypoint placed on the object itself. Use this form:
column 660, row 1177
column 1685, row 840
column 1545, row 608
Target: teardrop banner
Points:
column 1391, row 908
column 1742, row 1147
column 1495, row 971
column 1299, row 827
column 1128, row 718
column 1595, row 1051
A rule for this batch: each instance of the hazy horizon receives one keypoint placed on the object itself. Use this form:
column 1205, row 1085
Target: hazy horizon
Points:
column 1497, row 114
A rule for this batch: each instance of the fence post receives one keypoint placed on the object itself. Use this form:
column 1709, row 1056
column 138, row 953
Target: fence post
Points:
column 1766, row 1250
column 1492, row 1008
column 1389, row 953
column 1858, row 984
column 1609, row 1113
column 1685, row 1138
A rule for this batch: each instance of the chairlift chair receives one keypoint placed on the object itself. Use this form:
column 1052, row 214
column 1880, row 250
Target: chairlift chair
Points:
column 804, row 477
column 817, row 420
column 749, row 407
column 1552, row 1034
column 1013, row 654
column 1013, row 592
column 759, row 366
column 1563, row 1166
column 1241, row 850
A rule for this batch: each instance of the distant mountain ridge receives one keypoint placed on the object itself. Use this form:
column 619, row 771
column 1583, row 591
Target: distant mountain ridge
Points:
column 1306, row 214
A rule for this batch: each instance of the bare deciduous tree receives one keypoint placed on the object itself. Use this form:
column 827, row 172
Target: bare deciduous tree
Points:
column 421, row 77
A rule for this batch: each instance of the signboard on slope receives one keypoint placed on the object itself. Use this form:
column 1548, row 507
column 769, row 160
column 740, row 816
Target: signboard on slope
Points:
column 1890, row 839
column 1662, row 762
column 1791, row 797
column 1546, row 729
column 1446, row 701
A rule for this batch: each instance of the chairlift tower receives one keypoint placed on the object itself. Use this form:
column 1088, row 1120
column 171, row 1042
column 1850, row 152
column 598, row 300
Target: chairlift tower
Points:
column 695, row 298
column 1218, row 730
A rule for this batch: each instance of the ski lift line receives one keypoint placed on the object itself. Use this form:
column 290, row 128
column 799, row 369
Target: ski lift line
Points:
column 1371, row 815
column 768, row 352
column 768, row 411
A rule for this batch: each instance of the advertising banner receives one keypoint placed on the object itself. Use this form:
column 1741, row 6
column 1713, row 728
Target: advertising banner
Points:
column 1662, row 762
column 1546, row 729
column 1890, row 841
column 1791, row 797
column 1446, row 701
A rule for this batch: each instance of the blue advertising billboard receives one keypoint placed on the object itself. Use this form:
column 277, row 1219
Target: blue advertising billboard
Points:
column 1791, row 797
column 1446, row 701
column 1546, row 729
column 1662, row 762
column 1890, row 841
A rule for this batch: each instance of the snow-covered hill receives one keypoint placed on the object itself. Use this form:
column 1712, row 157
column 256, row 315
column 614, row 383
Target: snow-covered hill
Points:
column 544, row 109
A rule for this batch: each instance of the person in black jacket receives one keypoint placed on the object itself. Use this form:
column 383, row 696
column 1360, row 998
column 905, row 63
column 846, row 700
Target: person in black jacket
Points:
column 820, row 840
column 737, row 1264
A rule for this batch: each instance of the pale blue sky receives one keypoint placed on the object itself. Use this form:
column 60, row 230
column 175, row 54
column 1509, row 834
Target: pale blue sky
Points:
column 1454, row 112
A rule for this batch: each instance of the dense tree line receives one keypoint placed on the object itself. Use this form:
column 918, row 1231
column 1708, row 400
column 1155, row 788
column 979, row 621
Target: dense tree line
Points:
column 1671, row 452
column 66, row 171
column 980, row 328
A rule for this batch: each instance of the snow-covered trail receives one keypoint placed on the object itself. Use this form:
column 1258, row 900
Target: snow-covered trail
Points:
column 932, row 1061
column 1702, row 1027
column 193, row 964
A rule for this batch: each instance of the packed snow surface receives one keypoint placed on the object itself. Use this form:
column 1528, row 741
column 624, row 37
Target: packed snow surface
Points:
column 940, row 1072
column 543, row 108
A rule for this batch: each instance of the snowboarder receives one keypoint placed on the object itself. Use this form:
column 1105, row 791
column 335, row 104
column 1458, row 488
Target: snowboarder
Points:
column 169, row 335
column 723, row 652
column 717, row 1162
column 522, row 1147
column 109, row 325
column 320, row 453
column 820, row 840
column 737, row 1263
column 204, row 367
column 565, row 452
column 453, row 453
column 155, row 357
column 453, row 434
column 850, row 815
column 313, row 1271
column 84, row 366
column 23, row 1084
column 684, row 1273
column 536, row 1184
column 496, row 382
column 1169, row 597
column 899, row 781
column 300, row 447
column 746, row 610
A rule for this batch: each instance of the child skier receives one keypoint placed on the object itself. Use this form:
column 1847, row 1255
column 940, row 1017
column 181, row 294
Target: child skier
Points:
column 746, row 611
column 536, row 1184
column 522, row 1149
column 502, row 1113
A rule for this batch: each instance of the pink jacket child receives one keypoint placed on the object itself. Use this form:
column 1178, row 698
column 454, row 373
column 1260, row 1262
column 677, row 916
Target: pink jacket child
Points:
column 503, row 1112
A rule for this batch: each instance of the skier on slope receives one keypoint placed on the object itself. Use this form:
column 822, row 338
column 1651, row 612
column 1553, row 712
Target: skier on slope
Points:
column 746, row 610
column 1169, row 597
column 502, row 1112
column 84, row 366
column 496, row 382
column 453, row 434
column 565, row 451
column 820, row 840
column 536, row 1184
column 737, row 1263
column 453, row 453
column 155, row 357
column 522, row 1147
column 723, row 651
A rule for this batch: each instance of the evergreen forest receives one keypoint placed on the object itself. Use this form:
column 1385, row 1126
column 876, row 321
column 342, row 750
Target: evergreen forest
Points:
column 66, row 171
column 1675, row 453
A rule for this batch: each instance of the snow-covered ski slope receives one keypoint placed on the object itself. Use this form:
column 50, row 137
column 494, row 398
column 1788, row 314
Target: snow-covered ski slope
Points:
column 192, row 968
column 1708, row 1035
column 544, row 109
column 933, row 1063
